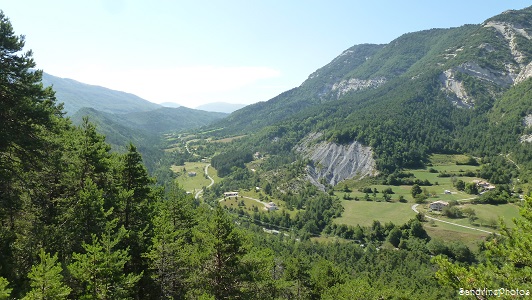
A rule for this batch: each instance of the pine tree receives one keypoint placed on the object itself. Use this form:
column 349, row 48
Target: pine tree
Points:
column 100, row 270
column 46, row 280
column 4, row 291
column 27, row 113
column 134, row 177
column 171, row 250
column 223, row 274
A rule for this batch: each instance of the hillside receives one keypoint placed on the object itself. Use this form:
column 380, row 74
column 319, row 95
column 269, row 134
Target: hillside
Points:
column 137, row 125
column 144, row 129
column 433, row 91
column 76, row 95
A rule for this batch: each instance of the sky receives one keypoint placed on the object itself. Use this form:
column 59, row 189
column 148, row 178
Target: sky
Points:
column 237, row 51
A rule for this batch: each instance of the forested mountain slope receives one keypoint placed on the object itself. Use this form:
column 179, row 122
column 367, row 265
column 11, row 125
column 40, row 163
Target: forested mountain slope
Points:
column 434, row 91
column 495, row 55
column 156, row 121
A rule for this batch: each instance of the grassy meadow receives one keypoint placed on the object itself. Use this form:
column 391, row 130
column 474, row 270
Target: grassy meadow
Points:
column 363, row 212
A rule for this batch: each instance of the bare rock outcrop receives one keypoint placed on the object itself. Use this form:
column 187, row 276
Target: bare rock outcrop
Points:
column 354, row 84
column 334, row 162
column 513, row 72
column 527, row 121
column 510, row 32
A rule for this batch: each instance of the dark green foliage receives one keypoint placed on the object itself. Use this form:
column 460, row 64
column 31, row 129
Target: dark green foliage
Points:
column 415, row 190
column 63, row 191
column 225, row 162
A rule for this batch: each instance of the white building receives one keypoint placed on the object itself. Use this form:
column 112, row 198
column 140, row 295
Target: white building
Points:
column 438, row 205
column 271, row 206
column 229, row 194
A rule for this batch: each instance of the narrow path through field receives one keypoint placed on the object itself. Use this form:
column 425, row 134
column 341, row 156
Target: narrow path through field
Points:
column 414, row 208
column 254, row 199
column 210, row 178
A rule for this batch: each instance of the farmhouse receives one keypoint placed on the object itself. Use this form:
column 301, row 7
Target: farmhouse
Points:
column 271, row 206
column 229, row 194
column 438, row 205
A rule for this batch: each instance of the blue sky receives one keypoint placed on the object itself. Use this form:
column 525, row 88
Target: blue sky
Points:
column 196, row 52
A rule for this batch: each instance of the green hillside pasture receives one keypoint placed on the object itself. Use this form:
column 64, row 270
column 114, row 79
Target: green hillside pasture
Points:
column 451, row 233
column 402, row 190
column 448, row 159
column 248, row 204
column 486, row 214
column 365, row 212
column 194, row 183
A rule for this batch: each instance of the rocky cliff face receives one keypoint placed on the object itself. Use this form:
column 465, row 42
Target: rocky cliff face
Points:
column 518, row 68
column 527, row 121
column 354, row 84
column 334, row 163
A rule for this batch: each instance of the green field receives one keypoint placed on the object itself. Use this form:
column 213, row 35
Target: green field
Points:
column 448, row 232
column 194, row 183
column 485, row 213
column 364, row 212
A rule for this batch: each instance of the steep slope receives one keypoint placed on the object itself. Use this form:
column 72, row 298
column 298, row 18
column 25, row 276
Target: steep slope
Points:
column 438, row 90
column 76, row 95
column 118, row 132
column 312, row 92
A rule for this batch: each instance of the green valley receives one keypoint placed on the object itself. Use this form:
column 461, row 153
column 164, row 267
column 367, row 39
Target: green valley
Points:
column 396, row 171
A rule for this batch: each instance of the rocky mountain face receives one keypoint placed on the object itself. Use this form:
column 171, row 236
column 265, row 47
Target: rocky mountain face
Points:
column 334, row 162
column 510, row 40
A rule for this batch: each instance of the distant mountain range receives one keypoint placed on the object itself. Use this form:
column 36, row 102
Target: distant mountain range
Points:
column 76, row 95
column 170, row 104
column 221, row 107
column 124, row 117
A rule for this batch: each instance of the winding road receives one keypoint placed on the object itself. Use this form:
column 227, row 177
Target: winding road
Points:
column 414, row 208
column 210, row 178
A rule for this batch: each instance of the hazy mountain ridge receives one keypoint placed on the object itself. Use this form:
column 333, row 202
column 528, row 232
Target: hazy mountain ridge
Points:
column 76, row 95
column 158, row 121
column 222, row 107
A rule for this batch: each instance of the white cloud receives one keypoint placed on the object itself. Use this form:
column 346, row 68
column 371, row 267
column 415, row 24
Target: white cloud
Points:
column 190, row 84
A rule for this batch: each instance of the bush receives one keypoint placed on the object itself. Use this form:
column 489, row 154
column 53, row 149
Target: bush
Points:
column 452, row 212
